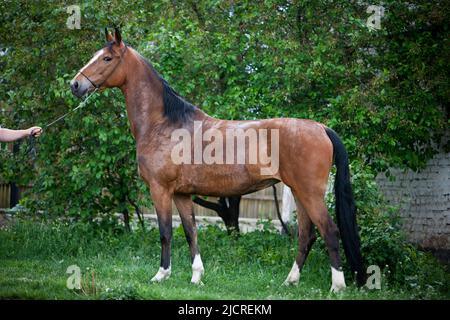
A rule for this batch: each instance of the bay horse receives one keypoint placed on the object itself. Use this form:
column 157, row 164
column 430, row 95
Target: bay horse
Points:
column 306, row 149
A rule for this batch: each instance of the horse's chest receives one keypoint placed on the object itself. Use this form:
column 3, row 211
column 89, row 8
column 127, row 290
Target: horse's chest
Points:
column 157, row 167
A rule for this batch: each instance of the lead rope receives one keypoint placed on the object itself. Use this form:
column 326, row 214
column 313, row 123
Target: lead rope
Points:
column 32, row 140
column 81, row 105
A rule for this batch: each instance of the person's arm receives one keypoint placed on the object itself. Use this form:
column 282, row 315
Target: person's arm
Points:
column 8, row 135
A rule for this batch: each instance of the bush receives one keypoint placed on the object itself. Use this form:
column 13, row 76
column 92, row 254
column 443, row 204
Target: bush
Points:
column 265, row 256
column 120, row 293
column 384, row 242
column 384, row 91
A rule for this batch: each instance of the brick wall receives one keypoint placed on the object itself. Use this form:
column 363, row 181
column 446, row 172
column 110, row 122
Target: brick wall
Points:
column 424, row 199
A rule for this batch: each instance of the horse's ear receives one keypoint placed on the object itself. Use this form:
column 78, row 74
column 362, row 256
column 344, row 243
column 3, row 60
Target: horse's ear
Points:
column 117, row 36
column 108, row 36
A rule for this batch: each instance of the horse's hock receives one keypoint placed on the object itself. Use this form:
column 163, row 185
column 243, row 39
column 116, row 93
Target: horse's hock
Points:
column 424, row 200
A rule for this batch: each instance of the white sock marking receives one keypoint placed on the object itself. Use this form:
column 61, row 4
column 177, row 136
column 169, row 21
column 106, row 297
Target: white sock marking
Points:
column 162, row 274
column 337, row 280
column 293, row 276
column 197, row 269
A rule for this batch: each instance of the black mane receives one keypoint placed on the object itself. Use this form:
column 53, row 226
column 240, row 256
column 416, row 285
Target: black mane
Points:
column 176, row 109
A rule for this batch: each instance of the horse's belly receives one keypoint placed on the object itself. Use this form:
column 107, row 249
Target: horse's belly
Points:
column 223, row 180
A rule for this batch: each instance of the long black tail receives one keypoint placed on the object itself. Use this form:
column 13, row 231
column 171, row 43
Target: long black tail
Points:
column 345, row 208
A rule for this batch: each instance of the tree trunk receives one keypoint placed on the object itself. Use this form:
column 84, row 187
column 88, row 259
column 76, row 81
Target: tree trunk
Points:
column 126, row 218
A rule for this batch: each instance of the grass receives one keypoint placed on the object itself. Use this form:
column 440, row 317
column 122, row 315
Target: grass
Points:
column 34, row 257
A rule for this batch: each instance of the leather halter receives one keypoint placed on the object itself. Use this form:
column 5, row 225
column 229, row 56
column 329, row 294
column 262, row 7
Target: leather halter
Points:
column 97, row 86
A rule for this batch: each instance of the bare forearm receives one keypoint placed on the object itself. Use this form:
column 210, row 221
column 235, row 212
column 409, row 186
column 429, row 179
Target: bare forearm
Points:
column 7, row 135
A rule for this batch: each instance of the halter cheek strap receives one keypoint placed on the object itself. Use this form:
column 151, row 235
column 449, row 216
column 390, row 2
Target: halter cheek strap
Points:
column 97, row 86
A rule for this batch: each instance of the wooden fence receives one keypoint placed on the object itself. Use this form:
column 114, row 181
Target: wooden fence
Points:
column 5, row 195
column 258, row 205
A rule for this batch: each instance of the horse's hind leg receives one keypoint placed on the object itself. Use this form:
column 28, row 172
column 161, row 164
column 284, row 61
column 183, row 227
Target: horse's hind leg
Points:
column 306, row 238
column 314, row 204
column 185, row 209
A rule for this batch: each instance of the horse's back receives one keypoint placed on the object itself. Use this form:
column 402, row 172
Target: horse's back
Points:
column 301, row 145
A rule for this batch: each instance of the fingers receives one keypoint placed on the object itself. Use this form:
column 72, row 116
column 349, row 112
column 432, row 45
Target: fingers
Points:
column 35, row 131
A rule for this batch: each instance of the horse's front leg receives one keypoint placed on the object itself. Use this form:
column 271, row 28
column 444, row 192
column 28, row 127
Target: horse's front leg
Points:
column 162, row 199
column 184, row 206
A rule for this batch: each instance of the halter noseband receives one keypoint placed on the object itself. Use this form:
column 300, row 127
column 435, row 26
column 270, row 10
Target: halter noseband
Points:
column 97, row 86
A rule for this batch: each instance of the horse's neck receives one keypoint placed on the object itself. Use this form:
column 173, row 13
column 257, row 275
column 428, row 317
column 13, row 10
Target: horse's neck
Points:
column 143, row 92
column 143, row 97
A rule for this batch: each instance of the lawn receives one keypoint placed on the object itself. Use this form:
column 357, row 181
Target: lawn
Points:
column 34, row 257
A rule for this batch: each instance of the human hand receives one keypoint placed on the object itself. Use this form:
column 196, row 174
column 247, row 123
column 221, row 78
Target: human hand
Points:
column 34, row 131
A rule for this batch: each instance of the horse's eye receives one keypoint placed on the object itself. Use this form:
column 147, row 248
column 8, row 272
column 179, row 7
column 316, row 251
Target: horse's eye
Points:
column 107, row 59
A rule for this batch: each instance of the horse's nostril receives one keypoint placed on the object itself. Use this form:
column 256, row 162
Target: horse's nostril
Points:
column 74, row 85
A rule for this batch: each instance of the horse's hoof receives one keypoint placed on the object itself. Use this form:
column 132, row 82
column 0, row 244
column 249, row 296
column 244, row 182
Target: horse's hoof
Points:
column 197, row 283
column 337, row 281
column 288, row 283
column 161, row 275
column 197, row 276
column 293, row 276
column 337, row 288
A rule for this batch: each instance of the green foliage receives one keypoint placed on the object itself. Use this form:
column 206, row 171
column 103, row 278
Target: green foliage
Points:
column 125, row 293
column 383, row 241
column 35, row 257
column 86, row 164
column 385, row 91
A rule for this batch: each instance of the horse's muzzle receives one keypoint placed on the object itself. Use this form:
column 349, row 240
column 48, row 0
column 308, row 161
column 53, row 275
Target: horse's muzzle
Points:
column 79, row 89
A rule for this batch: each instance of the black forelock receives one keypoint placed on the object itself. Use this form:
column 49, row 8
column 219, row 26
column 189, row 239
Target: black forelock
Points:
column 109, row 46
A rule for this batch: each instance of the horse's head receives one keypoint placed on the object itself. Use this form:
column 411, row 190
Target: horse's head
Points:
column 104, row 70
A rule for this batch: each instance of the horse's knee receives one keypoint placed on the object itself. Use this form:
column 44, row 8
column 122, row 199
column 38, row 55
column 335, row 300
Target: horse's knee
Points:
column 165, row 232
column 165, row 236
